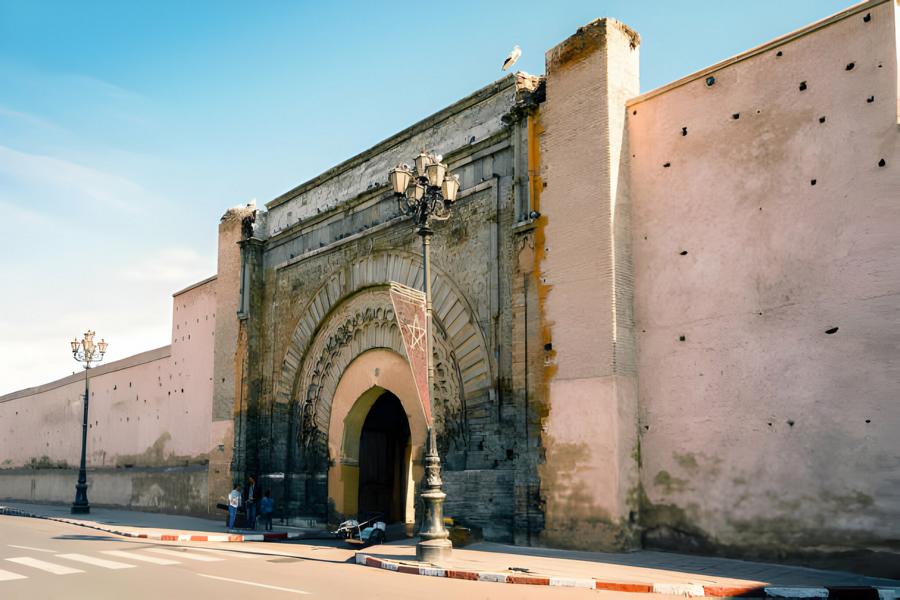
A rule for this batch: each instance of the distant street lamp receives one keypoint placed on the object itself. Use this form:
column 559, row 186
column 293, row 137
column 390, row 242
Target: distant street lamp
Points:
column 428, row 195
column 85, row 352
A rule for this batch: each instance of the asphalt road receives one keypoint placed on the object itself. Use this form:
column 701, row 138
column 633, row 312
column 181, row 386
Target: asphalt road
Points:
column 45, row 559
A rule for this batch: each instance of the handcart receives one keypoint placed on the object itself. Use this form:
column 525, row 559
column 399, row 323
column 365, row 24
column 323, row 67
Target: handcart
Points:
column 368, row 532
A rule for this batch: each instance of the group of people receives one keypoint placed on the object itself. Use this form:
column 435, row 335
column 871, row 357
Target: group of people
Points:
column 249, row 499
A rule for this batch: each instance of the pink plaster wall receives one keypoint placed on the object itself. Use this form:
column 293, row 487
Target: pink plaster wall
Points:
column 193, row 339
column 759, row 429
column 227, row 356
column 150, row 409
column 590, row 473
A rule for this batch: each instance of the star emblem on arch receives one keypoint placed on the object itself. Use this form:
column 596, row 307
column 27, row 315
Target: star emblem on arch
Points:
column 416, row 332
column 409, row 310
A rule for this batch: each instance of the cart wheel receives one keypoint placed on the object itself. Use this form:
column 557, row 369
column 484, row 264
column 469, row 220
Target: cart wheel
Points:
column 377, row 537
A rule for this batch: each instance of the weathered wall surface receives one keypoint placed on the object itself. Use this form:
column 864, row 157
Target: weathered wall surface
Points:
column 469, row 121
column 767, row 303
column 149, row 420
column 334, row 244
column 695, row 346
column 228, row 357
column 163, row 489
column 589, row 435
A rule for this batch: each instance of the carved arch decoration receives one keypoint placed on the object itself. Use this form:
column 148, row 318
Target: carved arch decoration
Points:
column 350, row 314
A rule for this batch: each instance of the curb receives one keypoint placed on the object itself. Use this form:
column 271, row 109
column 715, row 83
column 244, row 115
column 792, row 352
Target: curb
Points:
column 164, row 537
column 676, row 589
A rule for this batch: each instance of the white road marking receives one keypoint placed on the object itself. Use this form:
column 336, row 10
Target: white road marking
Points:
column 795, row 592
column 31, row 548
column 199, row 557
column 679, row 589
column 44, row 566
column 142, row 557
column 97, row 562
column 262, row 585
column 229, row 554
column 890, row 593
column 9, row 575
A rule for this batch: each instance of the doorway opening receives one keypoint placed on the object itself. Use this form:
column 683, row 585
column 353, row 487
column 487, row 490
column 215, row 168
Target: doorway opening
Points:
column 384, row 453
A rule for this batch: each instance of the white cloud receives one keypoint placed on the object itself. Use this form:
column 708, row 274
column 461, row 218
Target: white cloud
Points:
column 22, row 368
column 89, row 246
column 92, row 85
column 177, row 266
column 71, row 180
column 21, row 215
column 26, row 118
column 127, row 300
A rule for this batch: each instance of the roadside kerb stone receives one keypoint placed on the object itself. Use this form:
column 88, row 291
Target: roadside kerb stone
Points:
column 163, row 537
column 430, row 570
column 677, row 589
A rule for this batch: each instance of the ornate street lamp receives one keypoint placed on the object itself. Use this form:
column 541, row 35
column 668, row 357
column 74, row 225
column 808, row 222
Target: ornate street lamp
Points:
column 428, row 195
column 86, row 352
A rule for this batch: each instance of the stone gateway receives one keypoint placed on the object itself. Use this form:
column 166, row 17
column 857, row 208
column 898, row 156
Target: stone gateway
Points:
column 662, row 320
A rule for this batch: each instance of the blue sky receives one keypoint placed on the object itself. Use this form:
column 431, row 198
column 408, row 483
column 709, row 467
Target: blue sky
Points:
column 127, row 128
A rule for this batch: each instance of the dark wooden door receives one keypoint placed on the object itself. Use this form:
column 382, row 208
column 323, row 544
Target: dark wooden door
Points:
column 382, row 454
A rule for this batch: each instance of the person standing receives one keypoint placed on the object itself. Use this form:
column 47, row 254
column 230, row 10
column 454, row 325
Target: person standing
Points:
column 251, row 503
column 266, row 506
column 234, row 501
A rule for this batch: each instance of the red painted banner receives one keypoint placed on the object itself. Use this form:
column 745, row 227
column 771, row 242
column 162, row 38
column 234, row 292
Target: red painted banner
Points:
column 409, row 308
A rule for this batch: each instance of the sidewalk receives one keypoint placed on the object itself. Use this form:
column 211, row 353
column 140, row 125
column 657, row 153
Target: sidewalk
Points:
column 152, row 526
column 644, row 571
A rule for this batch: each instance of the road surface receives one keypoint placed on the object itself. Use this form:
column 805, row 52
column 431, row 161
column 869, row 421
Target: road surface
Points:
column 44, row 559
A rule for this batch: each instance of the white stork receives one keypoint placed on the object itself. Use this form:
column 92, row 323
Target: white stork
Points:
column 512, row 58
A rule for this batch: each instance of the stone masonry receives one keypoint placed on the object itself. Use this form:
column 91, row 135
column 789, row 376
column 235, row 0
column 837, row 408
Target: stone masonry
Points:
column 661, row 320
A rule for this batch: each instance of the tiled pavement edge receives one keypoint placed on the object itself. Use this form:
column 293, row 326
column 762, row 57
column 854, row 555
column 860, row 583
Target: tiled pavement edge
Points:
column 165, row 537
column 681, row 589
column 677, row 589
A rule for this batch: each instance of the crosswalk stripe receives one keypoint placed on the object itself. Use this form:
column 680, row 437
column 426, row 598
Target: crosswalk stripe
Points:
column 253, row 583
column 228, row 553
column 44, row 566
column 97, row 562
column 9, row 575
column 141, row 557
column 199, row 557
column 32, row 548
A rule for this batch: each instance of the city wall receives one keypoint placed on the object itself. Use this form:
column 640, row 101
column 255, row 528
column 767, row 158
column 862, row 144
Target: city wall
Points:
column 718, row 293
column 590, row 469
column 767, row 297
column 148, row 430
column 662, row 320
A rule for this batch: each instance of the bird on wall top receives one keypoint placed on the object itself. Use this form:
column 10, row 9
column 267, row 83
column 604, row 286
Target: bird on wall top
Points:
column 512, row 58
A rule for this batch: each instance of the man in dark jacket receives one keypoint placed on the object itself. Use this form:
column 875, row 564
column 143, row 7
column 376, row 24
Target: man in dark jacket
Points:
column 250, row 502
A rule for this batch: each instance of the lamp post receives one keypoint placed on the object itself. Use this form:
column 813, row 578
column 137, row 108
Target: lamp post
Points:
column 428, row 195
column 86, row 352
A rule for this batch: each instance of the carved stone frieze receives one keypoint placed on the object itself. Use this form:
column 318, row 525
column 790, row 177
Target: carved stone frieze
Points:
column 361, row 323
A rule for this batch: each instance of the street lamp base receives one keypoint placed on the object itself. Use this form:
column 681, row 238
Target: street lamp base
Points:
column 81, row 509
column 434, row 551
